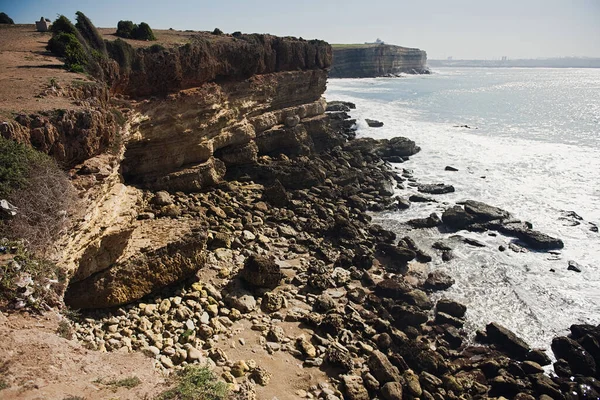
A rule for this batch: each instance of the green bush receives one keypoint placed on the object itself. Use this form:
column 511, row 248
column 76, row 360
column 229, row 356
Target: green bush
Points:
column 90, row 33
column 217, row 31
column 125, row 29
column 143, row 32
column 66, row 45
column 156, row 48
column 236, row 34
column 122, row 52
column 5, row 19
column 63, row 25
column 16, row 161
column 196, row 383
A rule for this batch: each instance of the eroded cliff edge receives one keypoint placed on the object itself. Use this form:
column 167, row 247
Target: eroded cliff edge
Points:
column 370, row 61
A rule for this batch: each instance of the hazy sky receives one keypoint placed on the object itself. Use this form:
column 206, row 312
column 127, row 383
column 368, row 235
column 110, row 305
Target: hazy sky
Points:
column 459, row 28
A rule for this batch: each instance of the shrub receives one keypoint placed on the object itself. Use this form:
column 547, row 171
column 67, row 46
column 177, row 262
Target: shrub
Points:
column 237, row 34
column 5, row 19
column 63, row 25
column 143, row 32
column 156, row 48
column 66, row 45
column 122, row 52
column 196, row 383
column 125, row 29
column 217, row 31
column 44, row 196
column 90, row 33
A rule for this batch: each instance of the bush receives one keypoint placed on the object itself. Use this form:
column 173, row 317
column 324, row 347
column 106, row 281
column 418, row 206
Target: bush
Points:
column 63, row 25
column 217, row 31
column 41, row 191
column 5, row 19
column 122, row 52
column 196, row 383
column 237, row 34
column 125, row 29
column 66, row 45
column 90, row 33
column 156, row 48
column 143, row 32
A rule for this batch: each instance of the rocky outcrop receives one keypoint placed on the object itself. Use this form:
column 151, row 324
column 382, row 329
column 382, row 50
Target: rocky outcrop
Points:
column 369, row 61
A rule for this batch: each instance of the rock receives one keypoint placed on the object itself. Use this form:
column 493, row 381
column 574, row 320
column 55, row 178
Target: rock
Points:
column 272, row 302
column 457, row 218
column 162, row 198
column 292, row 121
column 573, row 266
column 220, row 240
column 7, row 210
column 164, row 306
column 324, row 303
column 451, row 307
column 538, row 356
column 337, row 355
column 386, row 188
column 450, row 168
column 306, row 347
column 171, row 211
column 430, row 222
column 392, row 391
column 393, row 288
column 276, row 195
column 261, row 376
column 436, row 188
column 276, row 334
column 580, row 361
column 381, row 368
column 394, row 258
column 534, row 239
column 507, row 341
column 241, row 300
column 417, row 198
column 354, row 388
column 412, row 383
column 438, row 280
column 239, row 369
column 337, row 106
column 194, row 355
column 484, row 212
column 373, row 123
column 261, row 272
column 443, row 318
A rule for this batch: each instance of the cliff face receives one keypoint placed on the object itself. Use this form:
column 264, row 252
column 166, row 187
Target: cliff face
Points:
column 198, row 110
column 371, row 61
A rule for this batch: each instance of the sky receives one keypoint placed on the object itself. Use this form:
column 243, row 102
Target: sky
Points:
column 462, row 29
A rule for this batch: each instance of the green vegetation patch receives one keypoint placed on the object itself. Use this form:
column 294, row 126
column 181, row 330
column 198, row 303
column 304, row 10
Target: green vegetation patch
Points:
column 196, row 383
column 16, row 163
column 90, row 33
column 129, row 30
column 127, row 383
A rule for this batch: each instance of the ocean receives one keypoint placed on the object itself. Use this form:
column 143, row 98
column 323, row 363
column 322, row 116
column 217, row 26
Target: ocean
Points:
column 533, row 149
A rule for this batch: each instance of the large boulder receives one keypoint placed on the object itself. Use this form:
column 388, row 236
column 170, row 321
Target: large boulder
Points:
column 382, row 369
column 393, row 288
column 580, row 361
column 438, row 280
column 484, row 212
column 534, row 239
column 507, row 341
column 436, row 188
column 395, row 258
column 261, row 272
column 457, row 218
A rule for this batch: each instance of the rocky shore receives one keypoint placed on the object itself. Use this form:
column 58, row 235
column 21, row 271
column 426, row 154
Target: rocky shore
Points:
column 295, row 266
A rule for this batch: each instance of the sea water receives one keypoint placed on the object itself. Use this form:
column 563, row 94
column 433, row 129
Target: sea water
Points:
column 533, row 149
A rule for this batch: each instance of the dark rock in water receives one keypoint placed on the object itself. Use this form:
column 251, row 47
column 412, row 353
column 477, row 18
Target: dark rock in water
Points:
column 573, row 266
column 449, row 168
column 534, row 239
column 562, row 368
column 538, row 356
column 382, row 369
column 381, row 234
column 386, row 188
column 374, row 123
column 438, row 280
column 261, row 272
column 430, row 222
column 507, row 341
column 403, row 204
column 580, row 361
column 436, row 188
column 502, row 247
column 439, row 245
column 457, row 218
column 593, row 227
column 485, row 212
column 409, row 243
column 474, row 242
column 451, row 307
column 394, row 159
column 340, row 106
column 417, row 198
column 447, row 255
column 443, row 318
column 394, row 258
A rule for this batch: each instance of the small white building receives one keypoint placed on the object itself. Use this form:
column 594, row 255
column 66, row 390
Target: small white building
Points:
column 43, row 25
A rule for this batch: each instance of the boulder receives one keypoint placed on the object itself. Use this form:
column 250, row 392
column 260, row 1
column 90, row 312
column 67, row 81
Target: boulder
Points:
column 374, row 123
column 261, row 272
column 162, row 198
column 276, row 195
column 457, row 218
column 392, row 391
column 580, row 361
column 438, row 280
column 436, row 188
column 381, row 368
column 484, row 212
column 452, row 308
column 430, row 222
column 394, row 258
column 534, row 239
column 507, row 341
column 393, row 288
column 354, row 388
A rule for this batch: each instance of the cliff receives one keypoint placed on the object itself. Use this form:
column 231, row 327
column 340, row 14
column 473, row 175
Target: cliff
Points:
column 369, row 61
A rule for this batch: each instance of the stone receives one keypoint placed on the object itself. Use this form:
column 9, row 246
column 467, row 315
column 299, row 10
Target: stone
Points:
column 484, row 212
column 580, row 361
column 306, row 347
column 457, row 218
column 261, row 376
column 241, row 300
column 438, row 280
column 373, row 123
column 412, row 383
column 239, row 369
column 392, row 391
column 276, row 195
column 354, row 388
column 381, row 368
column 272, row 302
column 292, row 121
column 394, row 288
column 451, row 307
column 162, row 198
column 507, row 341
column 194, row 355
column 450, row 168
column 534, row 239
column 574, row 266
column 276, row 334
column 261, row 272
column 436, row 188
column 164, row 306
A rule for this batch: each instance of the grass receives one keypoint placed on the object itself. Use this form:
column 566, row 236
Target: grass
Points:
column 127, row 383
column 3, row 384
column 196, row 383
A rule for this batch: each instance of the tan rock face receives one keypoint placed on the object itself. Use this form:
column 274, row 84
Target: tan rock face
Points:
column 377, row 60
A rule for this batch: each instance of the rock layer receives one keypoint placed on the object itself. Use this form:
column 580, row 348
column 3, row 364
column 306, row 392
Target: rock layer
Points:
column 371, row 61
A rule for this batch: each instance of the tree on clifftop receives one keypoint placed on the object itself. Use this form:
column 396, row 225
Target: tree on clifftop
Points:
column 5, row 19
column 129, row 30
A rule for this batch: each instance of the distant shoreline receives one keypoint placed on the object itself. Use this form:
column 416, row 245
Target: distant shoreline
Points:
column 525, row 63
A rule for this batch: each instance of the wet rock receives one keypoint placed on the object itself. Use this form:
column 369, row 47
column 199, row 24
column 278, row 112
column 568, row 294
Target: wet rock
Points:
column 534, row 239
column 386, row 188
column 538, row 356
column 417, row 198
column 450, row 168
column 507, row 341
column 436, row 188
column 354, row 388
column 484, row 212
column 430, row 222
column 438, row 280
column 451, row 307
column 261, row 272
column 394, row 258
column 574, row 266
column 392, row 391
column 580, row 361
column 443, row 318
column 382, row 369
column 373, row 123
column 336, row 106
column 457, row 218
